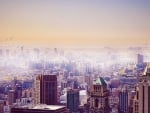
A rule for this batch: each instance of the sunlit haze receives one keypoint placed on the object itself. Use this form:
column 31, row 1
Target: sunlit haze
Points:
column 86, row 23
column 74, row 56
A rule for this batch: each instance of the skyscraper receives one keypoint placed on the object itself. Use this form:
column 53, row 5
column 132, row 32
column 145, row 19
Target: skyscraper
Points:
column 99, row 97
column 139, row 59
column 2, row 103
column 18, row 92
column 46, row 89
column 11, row 97
column 123, row 100
column 73, row 100
column 142, row 100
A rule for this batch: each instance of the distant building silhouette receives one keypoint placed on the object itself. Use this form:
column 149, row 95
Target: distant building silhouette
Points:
column 140, row 59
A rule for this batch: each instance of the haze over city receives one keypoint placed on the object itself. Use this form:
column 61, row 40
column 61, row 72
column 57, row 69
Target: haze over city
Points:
column 74, row 56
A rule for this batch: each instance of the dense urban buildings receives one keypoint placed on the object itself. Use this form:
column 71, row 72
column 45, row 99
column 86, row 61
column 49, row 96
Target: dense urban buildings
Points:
column 74, row 56
column 87, row 83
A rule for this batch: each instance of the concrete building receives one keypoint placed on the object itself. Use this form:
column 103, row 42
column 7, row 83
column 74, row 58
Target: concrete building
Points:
column 123, row 100
column 11, row 97
column 73, row 100
column 18, row 92
column 2, row 103
column 141, row 102
column 99, row 97
column 46, row 89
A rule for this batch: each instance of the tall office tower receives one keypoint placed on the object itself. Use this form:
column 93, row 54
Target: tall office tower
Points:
column 18, row 92
column 139, row 59
column 131, row 96
column 142, row 100
column 99, row 97
column 73, row 100
column 1, row 52
column 11, row 97
column 88, row 79
column 63, row 84
column 46, row 89
column 136, row 101
column 123, row 100
column 2, row 103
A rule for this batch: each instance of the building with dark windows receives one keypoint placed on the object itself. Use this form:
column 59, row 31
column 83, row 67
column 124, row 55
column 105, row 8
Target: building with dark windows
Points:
column 2, row 103
column 46, row 89
column 18, row 92
column 99, row 97
column 123, row 100
column 11, row 97
column 73, row 100
column 141, row 102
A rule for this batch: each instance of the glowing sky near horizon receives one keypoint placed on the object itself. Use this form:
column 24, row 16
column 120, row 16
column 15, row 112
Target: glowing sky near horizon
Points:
column 75, row 23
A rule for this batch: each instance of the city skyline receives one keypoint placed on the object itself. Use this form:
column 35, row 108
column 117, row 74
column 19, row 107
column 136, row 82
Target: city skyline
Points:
column 75, row 23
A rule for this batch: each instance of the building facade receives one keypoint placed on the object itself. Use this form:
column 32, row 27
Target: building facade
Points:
column 99, row 97
column 11, row 97
column 142, row 99
column 123, row 100
column 46, row 89
column 73, row 100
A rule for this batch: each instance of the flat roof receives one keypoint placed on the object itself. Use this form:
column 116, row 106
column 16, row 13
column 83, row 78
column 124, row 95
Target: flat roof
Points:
column 48, row 107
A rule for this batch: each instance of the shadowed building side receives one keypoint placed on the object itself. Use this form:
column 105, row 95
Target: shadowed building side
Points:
column 46, row 89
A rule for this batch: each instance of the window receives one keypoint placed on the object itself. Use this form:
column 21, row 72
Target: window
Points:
column 96, row 102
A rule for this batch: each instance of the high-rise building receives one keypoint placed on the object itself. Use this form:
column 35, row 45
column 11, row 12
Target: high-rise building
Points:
column 142, row 100
column 73, row 100
column 131, row 96
column 46, row 89
column 11, row 97
column 63, row 84
column 123, row 100
column 99, row 97
column 88, row 79
column 2, row 103
column 18, row 92
column 139, row 59
column 136, row 102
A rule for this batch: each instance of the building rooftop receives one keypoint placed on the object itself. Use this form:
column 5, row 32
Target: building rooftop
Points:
column 146, row 70
column 47, row 107
column 41, row 107
column 99, row 81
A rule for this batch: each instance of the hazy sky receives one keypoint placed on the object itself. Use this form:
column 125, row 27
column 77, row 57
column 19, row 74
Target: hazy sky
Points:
column 85, row 23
